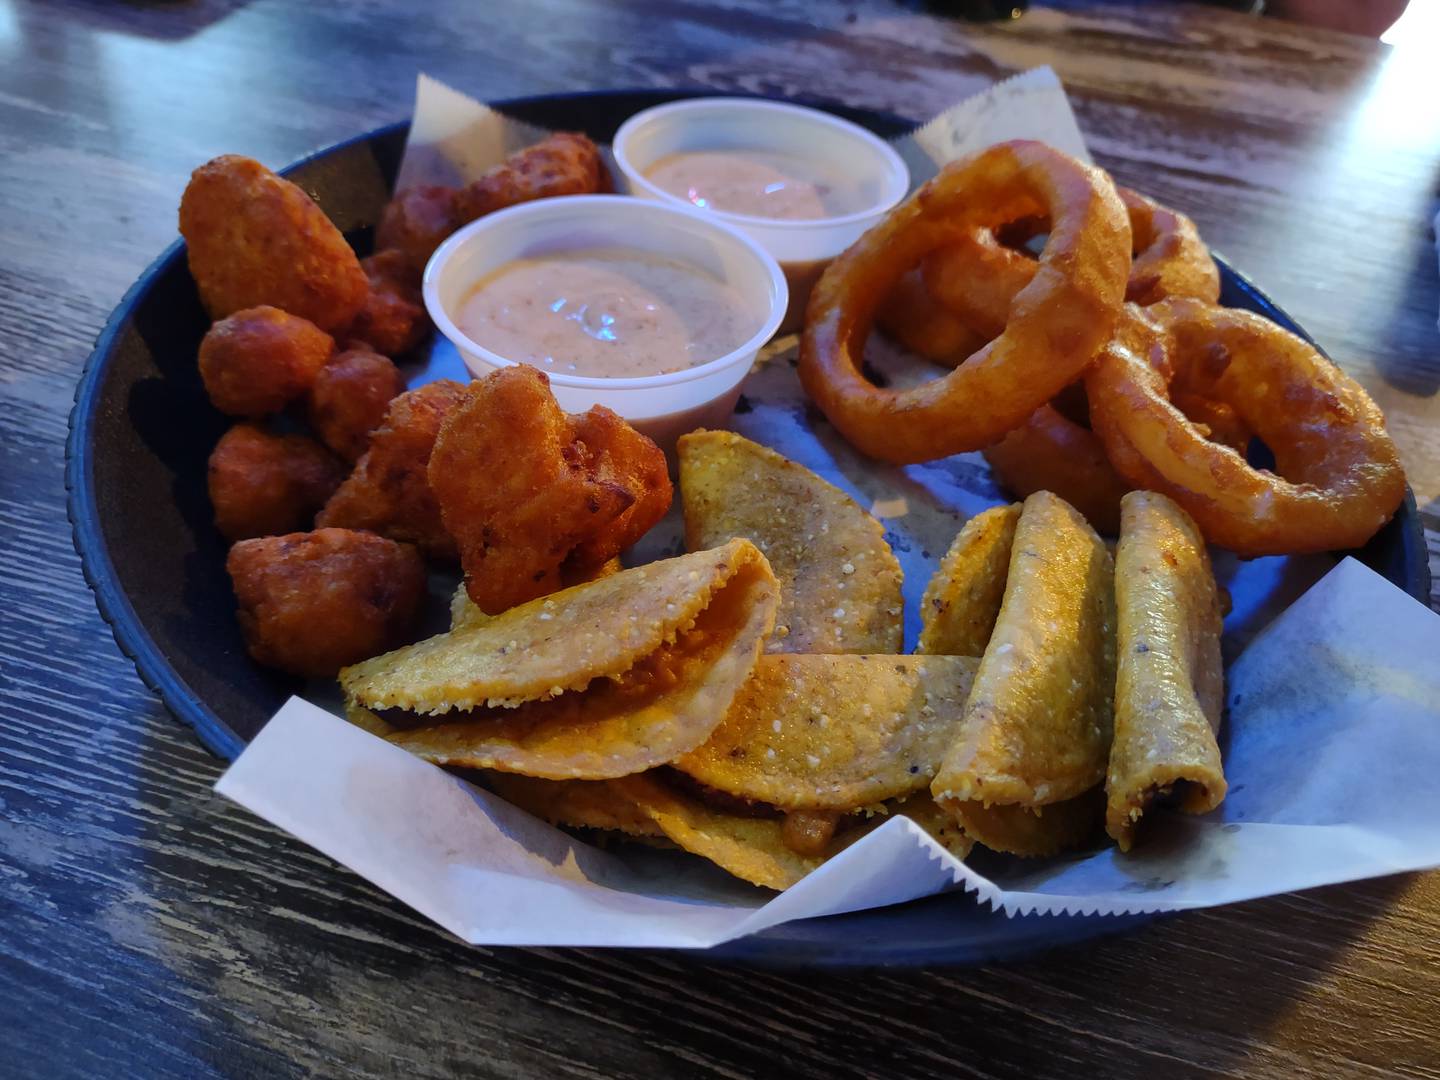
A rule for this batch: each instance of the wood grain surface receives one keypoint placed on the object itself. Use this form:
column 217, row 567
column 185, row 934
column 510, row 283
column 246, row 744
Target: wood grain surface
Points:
column 149, row 929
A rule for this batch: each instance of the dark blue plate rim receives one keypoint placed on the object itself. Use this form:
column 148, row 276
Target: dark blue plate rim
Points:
column 799, row 944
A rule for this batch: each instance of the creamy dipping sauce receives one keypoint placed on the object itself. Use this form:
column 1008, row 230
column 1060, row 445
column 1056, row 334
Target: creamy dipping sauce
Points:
column 758, row 183
column 606, row 312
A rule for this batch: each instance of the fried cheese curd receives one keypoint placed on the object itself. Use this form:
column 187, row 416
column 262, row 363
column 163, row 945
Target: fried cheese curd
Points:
column 254, row 238
column 388, row 492
column 350, row 398
column 393, row 320
column 531, row 493
column 262, row 484
column 311, row 603
column 257, row 361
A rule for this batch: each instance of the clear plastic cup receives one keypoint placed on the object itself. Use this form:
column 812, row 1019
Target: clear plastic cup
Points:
column 803, row 248
column 662, row 406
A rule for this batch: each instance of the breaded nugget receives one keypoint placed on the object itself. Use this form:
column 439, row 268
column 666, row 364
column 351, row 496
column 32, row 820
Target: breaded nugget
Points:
column 566, row 163
column 615, row 453
column 349, row 400
column 263, row 484
column 415, row 222
column 257, row 361
column 254, row 238
column 528, row 491
column 388, row 492
column 310, row 603
column 393, row 320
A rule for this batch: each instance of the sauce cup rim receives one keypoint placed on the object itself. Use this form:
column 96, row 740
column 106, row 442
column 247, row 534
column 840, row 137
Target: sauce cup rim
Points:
column 896, row 164
column 445, row 253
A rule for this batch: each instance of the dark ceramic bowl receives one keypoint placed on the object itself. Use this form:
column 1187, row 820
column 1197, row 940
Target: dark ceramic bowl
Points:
column 139, row 437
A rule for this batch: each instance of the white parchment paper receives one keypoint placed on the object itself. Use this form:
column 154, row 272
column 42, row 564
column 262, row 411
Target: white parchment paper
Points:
column 1333, row 737
column 1331, row 742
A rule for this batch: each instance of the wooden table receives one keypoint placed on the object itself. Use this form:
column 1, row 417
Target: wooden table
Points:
column 151, row 929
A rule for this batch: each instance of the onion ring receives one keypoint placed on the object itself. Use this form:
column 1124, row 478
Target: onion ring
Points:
column 1051, row 452
column 1055, row 450
column 915, row 319
column 1339, row 474
column 1058, row 323
column 1218, row 420
column 978, row 275
column 1170, row 259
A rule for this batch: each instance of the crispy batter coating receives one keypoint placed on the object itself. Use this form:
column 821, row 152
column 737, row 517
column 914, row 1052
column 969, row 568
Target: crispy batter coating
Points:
column 415, row 222
column 263, row 484
column 1052, row 452
column 254, row 238
column 388, row 492
column 565, row 163
column 1061, row 319
column 1337, row 477
column 616, row 453
column 350, row 398
column 257, row 361
column 914, row 318
column 310, row 603
column 393, row 320
column 528, row 491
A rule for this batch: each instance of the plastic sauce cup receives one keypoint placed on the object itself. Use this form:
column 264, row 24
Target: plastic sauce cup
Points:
column 663, row 407
column 803, row 248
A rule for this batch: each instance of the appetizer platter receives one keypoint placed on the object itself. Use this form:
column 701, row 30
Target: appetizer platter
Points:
column 523, row 544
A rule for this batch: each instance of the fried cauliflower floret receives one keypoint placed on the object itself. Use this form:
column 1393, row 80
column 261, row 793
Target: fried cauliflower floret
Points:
column 389, row 492
column 263, row 484
column 533, row 495
column 253, row 238
column 257, row 361
column 350, row 398
column 311, row 603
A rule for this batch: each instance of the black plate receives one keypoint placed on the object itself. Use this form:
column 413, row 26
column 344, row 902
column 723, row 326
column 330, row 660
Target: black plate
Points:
column 142, row 428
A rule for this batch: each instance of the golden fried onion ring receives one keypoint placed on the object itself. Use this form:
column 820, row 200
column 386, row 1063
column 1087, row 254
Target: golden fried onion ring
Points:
column 1057, row 323
column 1339, row 474
column 1051, row 452
column 977, row 276
column 1170, row 259
column 915, row 319
column 1055, row 450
